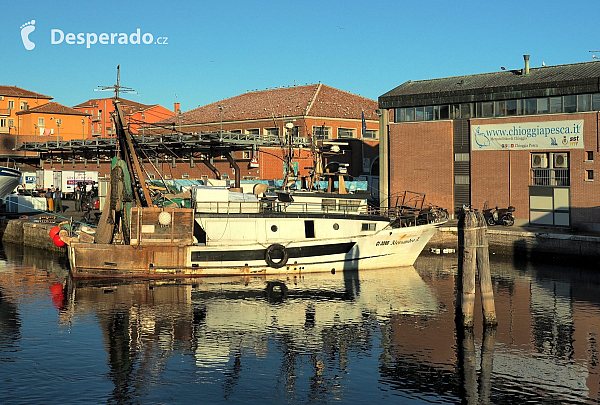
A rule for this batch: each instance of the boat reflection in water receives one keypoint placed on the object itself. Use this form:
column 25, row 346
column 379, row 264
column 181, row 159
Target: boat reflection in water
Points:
column 267, row 329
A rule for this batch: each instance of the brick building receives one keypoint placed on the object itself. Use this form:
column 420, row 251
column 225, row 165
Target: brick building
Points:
column 317, row 112
column 525, row 137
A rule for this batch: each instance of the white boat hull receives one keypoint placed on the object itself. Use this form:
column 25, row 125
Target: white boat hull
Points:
column 390, row 247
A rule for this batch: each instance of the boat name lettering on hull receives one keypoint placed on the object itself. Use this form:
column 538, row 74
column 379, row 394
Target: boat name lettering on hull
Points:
column 396, row 242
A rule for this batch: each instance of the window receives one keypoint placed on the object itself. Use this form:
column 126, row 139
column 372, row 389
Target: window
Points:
column 466, row 110
column 309, row 229
column 253, row 131
column 236, row 131
column 322, row 132
column 583, row 102
column 246, row 154
column 589, row 175
column 3, row 122
column 454, row 111
column 11, row 104
column 399, row 115
column 345, row 133
column 487, row 109
column 409, row 114
column 500, row 108
column 556, row 105
column 419, row 114
column 371, row 134
column 511, row 107
column 461, row 157
column 272, row 131
column 589, row 155
column 23, row 105
column 542, row 105
column 429, row 113
column 570, row 103
column 368, row 227
column 530, row 107
column 41, row 122
column 11, row 123
column 444, row 112
column 596, row 102
column 462, row 179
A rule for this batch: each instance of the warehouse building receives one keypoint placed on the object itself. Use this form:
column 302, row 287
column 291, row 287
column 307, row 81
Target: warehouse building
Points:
column 527, row 138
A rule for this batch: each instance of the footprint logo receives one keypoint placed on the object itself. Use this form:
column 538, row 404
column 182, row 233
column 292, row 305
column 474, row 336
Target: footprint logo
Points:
column 27, row 29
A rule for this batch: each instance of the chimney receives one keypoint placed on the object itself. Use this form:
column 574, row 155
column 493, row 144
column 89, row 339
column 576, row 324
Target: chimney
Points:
column 526, row 70
column 177, row 110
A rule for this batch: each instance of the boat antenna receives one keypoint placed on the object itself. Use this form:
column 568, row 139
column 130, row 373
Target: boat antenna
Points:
column 117, row 87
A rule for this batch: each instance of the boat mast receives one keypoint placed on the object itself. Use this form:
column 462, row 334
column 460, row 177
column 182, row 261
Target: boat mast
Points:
column 126, row 146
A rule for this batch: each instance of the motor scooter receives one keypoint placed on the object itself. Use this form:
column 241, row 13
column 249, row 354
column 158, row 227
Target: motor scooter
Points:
column 499, row 216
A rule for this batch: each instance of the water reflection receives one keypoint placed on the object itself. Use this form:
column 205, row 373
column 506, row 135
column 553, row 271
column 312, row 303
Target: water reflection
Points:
column 299, row 325
column 374, row 335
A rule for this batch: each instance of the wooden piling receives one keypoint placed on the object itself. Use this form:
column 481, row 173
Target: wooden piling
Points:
column 467, row 265
column 485, row 277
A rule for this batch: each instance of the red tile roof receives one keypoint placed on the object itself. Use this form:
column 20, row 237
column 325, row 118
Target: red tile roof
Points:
column 317, row 100
column 14, row 91
column 53, row 108
column 93, row 102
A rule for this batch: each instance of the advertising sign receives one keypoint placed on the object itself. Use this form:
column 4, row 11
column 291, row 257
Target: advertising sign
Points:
column 528, row 135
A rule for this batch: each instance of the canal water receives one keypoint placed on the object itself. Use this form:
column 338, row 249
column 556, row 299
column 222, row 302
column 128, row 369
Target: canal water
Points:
column 345, row 338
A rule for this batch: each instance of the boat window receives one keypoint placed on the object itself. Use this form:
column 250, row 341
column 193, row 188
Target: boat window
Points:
column 309, row 229
column 368, row 227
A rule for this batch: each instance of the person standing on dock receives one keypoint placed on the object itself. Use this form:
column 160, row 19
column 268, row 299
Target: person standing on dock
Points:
column 58, row 201
column 50, row 199
column 78, row 197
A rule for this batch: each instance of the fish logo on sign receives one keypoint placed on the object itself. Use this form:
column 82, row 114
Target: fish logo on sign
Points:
column 481, row 139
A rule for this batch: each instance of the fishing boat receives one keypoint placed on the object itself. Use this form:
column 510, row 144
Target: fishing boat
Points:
column 10, row 178
column 221, row 231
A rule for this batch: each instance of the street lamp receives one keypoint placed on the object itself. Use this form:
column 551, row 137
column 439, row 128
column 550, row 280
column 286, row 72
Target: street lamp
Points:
column 35, row 127
column 221, row 114
column 143, row 123
column 82, row 129
column 58, row 122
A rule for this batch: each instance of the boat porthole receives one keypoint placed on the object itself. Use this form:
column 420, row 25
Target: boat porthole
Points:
column 273, row 228
column 336, row 226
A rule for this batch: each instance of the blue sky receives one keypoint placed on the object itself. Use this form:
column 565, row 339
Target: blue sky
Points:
column 219, row 49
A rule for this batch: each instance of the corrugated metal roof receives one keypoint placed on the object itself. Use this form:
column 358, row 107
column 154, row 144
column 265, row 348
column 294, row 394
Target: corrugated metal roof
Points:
column 550, row 80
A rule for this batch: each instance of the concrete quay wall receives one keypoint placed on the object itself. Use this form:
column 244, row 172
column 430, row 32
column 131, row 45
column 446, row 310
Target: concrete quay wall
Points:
column 517, row 241
column 28, row 233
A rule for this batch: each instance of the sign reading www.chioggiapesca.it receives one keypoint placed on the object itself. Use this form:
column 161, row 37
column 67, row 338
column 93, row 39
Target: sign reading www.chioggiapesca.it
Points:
column 528, row 135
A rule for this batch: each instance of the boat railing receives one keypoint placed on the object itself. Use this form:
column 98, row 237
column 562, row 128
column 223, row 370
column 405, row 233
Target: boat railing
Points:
column 10, row 163
column 266, row 206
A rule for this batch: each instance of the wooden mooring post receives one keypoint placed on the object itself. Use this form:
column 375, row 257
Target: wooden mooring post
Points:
column 474, row 255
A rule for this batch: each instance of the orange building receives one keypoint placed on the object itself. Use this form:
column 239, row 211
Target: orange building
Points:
column 54, row 120
column 316, row 112
column 27, row 116
column 135, row 113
